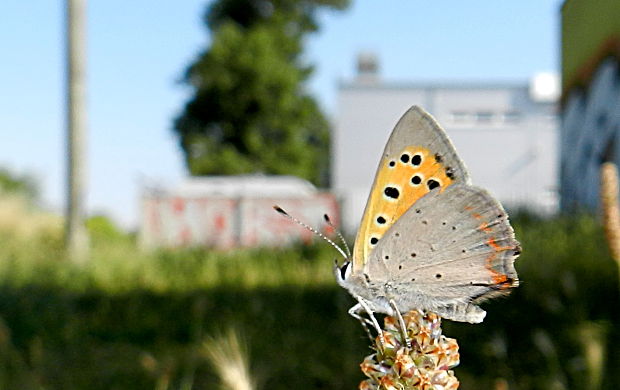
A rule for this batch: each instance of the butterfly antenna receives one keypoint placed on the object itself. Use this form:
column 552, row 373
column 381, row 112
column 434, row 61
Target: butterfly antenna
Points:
column 342, row 240
column 313, row 230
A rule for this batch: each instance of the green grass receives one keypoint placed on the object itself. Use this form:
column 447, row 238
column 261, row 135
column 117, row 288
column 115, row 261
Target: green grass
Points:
column 132, row 320
column 118, row 266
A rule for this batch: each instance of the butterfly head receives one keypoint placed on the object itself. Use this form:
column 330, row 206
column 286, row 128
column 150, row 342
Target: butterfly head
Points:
column 343, row 271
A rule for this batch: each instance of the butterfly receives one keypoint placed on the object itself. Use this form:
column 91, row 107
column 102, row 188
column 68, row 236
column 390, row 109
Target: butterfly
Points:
column 428, row 239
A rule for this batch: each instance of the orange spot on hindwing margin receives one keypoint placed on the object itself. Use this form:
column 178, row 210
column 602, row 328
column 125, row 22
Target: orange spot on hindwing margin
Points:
column 501, row 279
column 485, row 227
column 493, row 244
column 498, row 278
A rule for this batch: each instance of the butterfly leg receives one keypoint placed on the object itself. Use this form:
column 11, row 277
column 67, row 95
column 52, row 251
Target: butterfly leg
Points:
column 401, row 322
column 373, row 320
column 355, row 313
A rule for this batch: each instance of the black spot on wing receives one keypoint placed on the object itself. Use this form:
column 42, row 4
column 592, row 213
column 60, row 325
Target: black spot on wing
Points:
column 450, row 173
column 431, row 183
column 391, row 192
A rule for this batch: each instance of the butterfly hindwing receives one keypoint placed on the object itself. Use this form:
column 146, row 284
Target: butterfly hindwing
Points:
column 450, row 250
column 417, row 159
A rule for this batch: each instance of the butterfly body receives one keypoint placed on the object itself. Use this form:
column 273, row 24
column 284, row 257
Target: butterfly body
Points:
column 428, row 239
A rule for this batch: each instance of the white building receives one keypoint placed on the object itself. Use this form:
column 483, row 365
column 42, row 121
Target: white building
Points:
column 505, row 132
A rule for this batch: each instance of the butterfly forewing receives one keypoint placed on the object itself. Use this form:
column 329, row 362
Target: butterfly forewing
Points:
column 417, row 159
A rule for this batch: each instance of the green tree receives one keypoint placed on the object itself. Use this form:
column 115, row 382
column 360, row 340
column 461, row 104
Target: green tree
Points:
column 249, row 112
column 23, row 185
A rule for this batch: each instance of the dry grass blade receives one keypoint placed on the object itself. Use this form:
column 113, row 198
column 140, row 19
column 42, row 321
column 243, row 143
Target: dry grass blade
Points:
column 229, row 357
column 610, row 207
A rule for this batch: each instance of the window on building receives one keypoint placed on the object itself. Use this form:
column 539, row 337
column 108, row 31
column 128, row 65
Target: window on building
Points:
column 511, row 116
column 484, row 116
column 461, row 117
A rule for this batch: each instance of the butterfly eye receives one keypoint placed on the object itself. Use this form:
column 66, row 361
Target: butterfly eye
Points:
column 404, row 158
column 374, row 241
column 416, row 180
column 392, row 163
column 345, row 270
column 381, row 220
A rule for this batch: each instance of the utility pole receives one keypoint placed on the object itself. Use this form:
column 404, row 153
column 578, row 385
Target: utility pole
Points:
column 75, row 231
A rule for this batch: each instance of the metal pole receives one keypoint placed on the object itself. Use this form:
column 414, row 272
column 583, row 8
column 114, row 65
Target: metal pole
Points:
column 76, row 235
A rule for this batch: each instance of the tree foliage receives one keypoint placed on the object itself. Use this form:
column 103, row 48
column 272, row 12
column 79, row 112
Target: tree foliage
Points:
column 249, row 112
column 23, row 185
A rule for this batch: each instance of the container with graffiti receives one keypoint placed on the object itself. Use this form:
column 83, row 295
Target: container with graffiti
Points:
column 232, row 211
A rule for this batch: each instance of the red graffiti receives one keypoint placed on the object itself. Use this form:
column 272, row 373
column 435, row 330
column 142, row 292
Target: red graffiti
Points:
column 178, row 205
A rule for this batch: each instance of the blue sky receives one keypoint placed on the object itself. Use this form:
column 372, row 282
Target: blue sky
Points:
column 137, row 52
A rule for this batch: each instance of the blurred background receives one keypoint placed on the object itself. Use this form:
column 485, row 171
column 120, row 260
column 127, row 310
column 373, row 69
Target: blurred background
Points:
column 145, row 143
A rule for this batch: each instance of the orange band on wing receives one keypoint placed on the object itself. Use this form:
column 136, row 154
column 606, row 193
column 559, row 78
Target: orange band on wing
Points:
column 499, row 279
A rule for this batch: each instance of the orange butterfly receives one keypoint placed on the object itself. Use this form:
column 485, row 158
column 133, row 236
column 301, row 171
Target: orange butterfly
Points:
column 428, row 239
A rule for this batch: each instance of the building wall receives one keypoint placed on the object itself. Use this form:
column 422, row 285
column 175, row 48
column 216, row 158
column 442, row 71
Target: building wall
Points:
column 589, row 136
column 507, row 140
column 590, row 98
